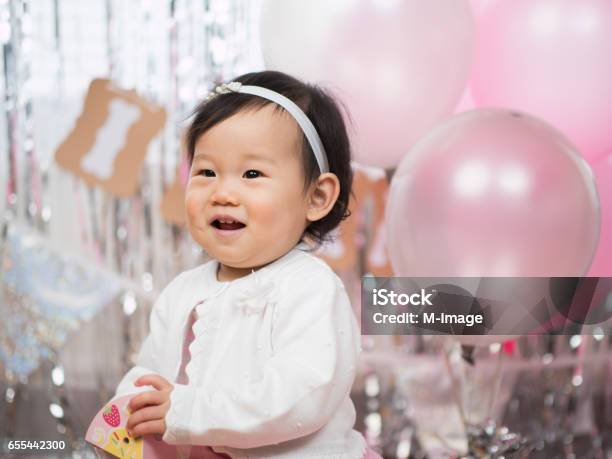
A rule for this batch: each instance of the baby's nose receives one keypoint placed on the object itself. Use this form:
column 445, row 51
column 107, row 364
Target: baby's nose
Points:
column 225, row 197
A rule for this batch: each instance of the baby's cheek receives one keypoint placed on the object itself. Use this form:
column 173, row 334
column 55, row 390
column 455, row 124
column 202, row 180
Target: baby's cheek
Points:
column 193, row 205
column 271, row 217
column 282, row 225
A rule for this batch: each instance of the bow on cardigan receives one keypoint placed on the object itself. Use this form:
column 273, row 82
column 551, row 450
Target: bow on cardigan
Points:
column 255, row 297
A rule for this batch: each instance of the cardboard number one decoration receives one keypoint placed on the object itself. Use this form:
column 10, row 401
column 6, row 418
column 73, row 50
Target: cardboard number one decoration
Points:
column 173, row 202
column 109, row 141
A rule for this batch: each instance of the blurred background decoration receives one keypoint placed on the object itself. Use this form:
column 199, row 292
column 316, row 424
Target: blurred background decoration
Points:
column 481, row 146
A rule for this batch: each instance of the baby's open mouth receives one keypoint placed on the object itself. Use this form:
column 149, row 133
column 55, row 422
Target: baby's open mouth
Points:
column 226, row 224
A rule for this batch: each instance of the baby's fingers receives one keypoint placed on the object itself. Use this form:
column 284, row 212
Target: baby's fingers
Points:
column 149, row 427
column 144, row 415
column 153, row 397
column 157, row 381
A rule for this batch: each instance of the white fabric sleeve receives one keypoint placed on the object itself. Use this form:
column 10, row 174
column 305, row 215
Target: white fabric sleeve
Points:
column 316, row 346
column 147, row 361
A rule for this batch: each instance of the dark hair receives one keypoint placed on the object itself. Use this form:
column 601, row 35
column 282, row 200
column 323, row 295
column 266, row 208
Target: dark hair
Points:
column 324, row 113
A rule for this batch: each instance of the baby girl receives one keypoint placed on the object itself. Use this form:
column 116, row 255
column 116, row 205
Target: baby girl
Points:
column 253, row 354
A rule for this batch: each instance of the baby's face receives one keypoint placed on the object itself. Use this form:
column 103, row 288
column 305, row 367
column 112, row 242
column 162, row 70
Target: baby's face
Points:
column 245, row 199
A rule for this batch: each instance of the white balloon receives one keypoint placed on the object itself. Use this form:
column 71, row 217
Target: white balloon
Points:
column 399, row 66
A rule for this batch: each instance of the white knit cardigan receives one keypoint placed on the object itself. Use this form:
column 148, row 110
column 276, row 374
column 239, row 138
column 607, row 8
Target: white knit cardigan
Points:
column 272, row 362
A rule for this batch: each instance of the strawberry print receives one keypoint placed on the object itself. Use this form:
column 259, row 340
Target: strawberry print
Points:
column 111, row 415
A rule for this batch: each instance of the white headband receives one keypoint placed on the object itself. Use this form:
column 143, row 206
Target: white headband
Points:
column 305, row 124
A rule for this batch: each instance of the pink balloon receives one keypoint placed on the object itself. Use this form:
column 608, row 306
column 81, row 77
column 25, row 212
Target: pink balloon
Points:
column 466, row 102
column 602, row 264
column 397, row 74
column 478, row 6
column 550, row 58
column 492, row 193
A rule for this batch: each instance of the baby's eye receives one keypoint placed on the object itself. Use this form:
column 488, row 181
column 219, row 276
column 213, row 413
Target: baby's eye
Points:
column 252, row 173
column 207, row 173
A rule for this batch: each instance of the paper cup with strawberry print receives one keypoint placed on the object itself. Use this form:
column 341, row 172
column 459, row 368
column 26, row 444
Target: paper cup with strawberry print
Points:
column 108, row 433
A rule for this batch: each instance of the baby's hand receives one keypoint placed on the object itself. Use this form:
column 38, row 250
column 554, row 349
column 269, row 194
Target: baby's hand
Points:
column 149, row 408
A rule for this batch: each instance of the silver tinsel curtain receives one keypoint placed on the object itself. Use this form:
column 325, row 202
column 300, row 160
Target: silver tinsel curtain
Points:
column 55, row 375
column 80, row 268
